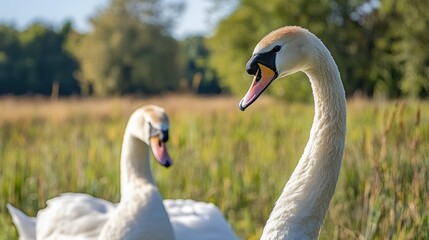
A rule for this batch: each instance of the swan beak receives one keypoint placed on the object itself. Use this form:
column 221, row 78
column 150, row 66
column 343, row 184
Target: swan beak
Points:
column 262, row 79
column 160, row 152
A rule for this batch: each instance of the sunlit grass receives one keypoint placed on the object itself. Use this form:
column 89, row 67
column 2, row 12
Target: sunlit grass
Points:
column 239, row 161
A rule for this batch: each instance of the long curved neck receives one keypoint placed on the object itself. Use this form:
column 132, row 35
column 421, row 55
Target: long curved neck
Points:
column 140, row 213
column 302, row 206
column 135, row 166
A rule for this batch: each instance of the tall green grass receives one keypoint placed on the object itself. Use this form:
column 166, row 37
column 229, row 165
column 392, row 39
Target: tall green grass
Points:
column 239, row 161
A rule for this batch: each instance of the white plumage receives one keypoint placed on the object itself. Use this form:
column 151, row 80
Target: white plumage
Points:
column 301, row 208
column 141, row 212
column 191, row 220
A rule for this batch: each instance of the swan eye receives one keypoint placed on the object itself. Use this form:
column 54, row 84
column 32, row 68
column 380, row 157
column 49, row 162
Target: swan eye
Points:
column 276, row 48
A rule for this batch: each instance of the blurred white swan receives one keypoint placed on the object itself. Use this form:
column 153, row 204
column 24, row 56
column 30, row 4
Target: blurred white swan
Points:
column 141, row 213
column 301, row 208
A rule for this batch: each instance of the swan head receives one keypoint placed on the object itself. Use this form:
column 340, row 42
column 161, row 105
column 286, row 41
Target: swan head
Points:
column 280, row 53
column 150, row 125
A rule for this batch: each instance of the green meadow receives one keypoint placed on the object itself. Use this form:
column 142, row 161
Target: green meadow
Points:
column 239, row 161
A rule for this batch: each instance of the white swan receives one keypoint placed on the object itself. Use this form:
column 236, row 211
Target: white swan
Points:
column 140, row 213
column 302, row 206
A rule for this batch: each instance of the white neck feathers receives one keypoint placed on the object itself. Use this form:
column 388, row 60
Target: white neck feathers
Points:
column 301, row 208
column 135, row 165
column 140, row 213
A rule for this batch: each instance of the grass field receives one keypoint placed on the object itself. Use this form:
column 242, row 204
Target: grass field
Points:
column 238, row 160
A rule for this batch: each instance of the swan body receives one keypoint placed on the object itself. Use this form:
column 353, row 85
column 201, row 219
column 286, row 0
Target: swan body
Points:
column 141, row 212
column 193, row 220
column 300, row 210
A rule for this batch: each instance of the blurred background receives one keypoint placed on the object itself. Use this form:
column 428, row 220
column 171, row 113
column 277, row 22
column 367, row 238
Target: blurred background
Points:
column 72, row 72
column 119, row 47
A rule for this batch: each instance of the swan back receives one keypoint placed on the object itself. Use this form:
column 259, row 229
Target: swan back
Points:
column 140, row 215
column 73, row 215
column 193, row 220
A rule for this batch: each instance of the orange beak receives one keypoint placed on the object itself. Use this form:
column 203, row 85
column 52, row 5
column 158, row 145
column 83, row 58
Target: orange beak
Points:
column 261, row 80
column 160, row 152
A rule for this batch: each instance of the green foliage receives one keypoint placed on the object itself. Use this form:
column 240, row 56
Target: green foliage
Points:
column 399, row 50
column 32, row 60
column 10, row 51
column 199, row 76
column 380, row 47
column 411, row 50
column 128, row 51
column 240, row 161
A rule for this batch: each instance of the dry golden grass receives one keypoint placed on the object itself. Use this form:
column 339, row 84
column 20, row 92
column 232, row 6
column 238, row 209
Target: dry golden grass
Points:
column 64, row 109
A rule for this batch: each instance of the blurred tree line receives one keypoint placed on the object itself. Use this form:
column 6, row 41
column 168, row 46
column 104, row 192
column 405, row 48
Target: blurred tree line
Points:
column 380, row 47
column 32, row 60
column 129, row 51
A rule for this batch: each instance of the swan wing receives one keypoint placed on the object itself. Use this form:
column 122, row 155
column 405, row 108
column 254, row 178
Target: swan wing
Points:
column 26, row 225
column 193, row 220
column 73, row 215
